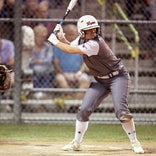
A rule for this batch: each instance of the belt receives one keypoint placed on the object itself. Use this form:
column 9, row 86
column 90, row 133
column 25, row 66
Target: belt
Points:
column 115, row 73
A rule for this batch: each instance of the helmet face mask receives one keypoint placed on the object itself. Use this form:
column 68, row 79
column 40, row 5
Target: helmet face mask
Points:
column 85, row 23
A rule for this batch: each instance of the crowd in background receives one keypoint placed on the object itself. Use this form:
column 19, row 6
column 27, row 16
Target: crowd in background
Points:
column 41, row 55
column 135, row 9
column 37, row 54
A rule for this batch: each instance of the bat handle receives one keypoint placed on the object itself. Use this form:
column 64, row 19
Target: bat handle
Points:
column 62, row 20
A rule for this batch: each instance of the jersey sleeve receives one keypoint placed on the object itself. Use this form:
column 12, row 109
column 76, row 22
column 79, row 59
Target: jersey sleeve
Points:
column 90, row 48
column 75, row 42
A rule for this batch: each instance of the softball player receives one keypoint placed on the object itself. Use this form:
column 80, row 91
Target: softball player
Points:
column 110, row 77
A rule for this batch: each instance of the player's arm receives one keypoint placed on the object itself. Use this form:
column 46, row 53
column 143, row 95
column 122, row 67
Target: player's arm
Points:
column 64, row 40
column 89, row 48
column 63, row 46
column 69, row 48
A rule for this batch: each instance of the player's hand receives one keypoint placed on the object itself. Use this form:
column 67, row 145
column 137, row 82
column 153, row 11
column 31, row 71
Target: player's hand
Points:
column 58, row 30
column 53, row 39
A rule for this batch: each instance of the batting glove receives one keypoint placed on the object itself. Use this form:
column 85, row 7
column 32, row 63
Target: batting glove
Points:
column 53, row 39
column 58, row 30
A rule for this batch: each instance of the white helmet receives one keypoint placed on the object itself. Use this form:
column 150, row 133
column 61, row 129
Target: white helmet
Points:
column 86, row 22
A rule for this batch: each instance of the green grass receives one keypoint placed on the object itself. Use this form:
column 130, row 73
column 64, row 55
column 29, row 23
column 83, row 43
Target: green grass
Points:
column 61, row 132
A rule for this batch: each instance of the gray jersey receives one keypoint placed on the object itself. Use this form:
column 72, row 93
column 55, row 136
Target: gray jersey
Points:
column 104, row 62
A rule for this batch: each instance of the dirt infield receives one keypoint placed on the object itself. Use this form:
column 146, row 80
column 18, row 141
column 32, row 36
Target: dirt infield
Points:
column 89, row 149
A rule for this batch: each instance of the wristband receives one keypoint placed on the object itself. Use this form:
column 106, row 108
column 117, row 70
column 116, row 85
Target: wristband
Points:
column 52, row 39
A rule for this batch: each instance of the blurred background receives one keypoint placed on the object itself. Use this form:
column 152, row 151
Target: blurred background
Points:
column 46, row 88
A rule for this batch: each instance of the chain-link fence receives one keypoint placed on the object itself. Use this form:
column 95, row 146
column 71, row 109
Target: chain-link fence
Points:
column 129, row 29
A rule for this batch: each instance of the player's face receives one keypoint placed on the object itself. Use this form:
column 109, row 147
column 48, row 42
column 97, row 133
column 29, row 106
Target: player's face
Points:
column 90, row 34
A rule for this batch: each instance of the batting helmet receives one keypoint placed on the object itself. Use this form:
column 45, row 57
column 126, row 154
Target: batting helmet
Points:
column 86, row 22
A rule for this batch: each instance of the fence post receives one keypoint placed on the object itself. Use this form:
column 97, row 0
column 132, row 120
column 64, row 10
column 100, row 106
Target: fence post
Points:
column 17, row 67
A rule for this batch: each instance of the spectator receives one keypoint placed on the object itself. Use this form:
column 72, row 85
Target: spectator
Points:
column 43, row 13
column 70, row 68
column 7, row 11
column 41, row 61
column 7, row 53
column 153, row 9
column 44, row 2
column 146, row 9
column 47, row 1
column 29, row 8
column 58, row 3
column 141, row 8
column 28, row 45
column 130, row 5
column 1, row 4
